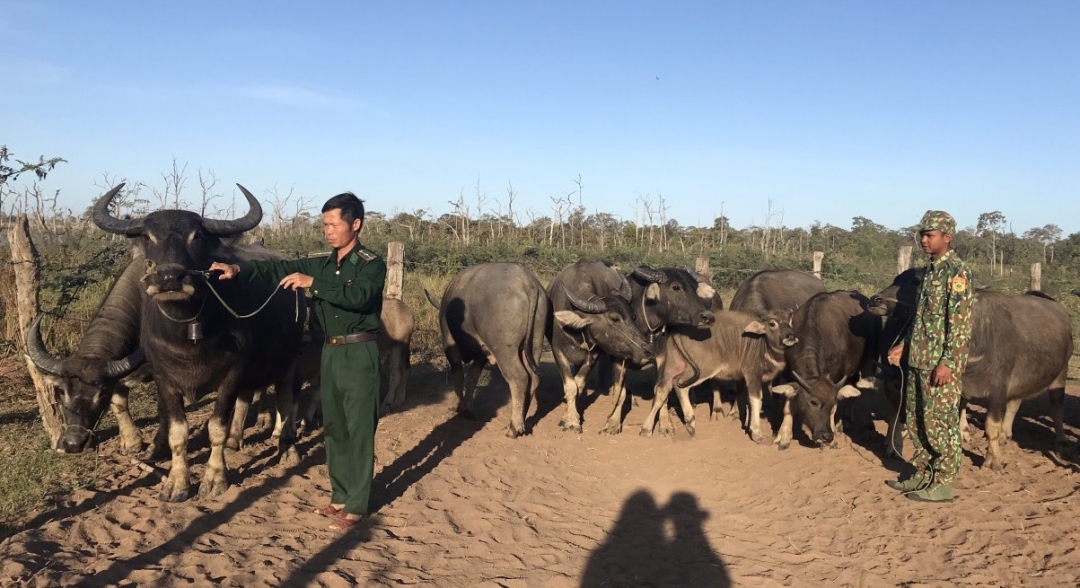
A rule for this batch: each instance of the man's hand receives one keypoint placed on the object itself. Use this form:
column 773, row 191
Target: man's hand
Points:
column 297, row 280
column 895, row 354
column 942, row 375
column 228, row 270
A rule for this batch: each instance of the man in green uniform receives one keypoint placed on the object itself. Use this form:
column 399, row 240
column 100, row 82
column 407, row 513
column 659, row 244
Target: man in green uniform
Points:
column 937, row 355
column 347, row 287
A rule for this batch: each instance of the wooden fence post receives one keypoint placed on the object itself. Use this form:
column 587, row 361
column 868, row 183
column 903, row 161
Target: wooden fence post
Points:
column 395, row 270
column 903, row 260
column 1036, row 276
column 818, row 256
column 24, row 259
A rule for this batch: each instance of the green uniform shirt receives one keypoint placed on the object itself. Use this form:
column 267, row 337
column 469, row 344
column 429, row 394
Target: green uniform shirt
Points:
column 348, row 295
column 942, row 326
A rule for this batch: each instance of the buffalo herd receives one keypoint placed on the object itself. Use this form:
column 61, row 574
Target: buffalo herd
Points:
column 165, row 319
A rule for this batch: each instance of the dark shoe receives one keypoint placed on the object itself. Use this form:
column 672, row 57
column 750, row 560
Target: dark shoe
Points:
column 935, row 493
column 915, row 482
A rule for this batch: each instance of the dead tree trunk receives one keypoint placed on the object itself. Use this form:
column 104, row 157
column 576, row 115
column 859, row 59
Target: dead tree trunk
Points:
column 24, row 259
column 395, row 269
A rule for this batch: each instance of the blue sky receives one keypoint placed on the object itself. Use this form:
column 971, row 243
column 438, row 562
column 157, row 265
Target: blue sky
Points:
column 827, row 109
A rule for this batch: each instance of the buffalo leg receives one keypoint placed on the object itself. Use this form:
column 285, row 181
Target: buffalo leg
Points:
column 995, row 414
column 687, row 407
column 783, row 439
column 965, row 434
column 573, row 382
column 215, row 481
column 285, row 422
column 240, row 411
column 130, row 438
column 614, row 421
column 1011, row 408
column 159, row 447
column 467, row 392
column 1057, row 413
column 753, row 409
column 177, row 484
column 397, row 364
column 518, row 377
column 660, row 396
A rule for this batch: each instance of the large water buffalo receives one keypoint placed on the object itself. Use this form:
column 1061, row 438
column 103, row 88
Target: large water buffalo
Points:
column 93, row 377
column 192, row 335
column 497, row 314
column 1020, row 347
column 837, row 345
column 770, row 290
column 660, row 298
column 737, row 346
column 590, row 301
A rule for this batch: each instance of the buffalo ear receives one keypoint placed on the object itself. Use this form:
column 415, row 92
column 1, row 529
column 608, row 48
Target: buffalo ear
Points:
column 755, row 328
column 848, row 391
column 573, row 320
column 705, row 291
column 784, row 390
column 652, row 293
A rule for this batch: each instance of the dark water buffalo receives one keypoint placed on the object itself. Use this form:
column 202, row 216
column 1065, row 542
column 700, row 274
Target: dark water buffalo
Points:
column 93, row 377
column 770, row 290
column 660, row 298
column 1020, row 347
column 737, row 346
column 497, row 314
column 195, row 343
column 590, row 301
column 837, row 345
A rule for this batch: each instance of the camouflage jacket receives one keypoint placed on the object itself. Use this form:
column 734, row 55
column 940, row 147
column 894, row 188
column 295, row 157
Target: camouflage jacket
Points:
column 942, row 326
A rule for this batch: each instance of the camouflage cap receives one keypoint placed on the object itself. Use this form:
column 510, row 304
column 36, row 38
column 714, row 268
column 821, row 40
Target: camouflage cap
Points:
column 938, row 220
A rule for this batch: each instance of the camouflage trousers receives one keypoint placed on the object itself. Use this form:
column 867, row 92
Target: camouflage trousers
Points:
column 933, row 424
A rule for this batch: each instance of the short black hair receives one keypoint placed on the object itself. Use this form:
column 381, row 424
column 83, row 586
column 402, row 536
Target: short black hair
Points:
column 351, row 207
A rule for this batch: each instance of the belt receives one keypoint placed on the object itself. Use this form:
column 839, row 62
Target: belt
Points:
column 350, row 338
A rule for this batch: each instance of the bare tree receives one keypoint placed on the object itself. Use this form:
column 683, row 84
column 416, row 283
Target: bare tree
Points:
column 207, row 184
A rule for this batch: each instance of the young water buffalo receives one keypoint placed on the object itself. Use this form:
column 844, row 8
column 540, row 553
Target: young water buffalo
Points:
column 837, row 344
column 737, row 346
column 1020, row 347
column 494, row 313
column 591, row 305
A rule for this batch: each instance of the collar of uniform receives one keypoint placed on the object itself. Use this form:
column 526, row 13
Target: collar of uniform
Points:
column 351, row 255
column 945, row 257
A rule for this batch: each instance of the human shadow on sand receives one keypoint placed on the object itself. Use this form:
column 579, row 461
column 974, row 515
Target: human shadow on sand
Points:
column 639, row 552
column 389, row 485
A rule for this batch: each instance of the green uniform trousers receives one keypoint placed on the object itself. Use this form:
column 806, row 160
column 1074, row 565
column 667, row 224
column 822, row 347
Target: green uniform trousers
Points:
column 933, row 424
column 350, row 403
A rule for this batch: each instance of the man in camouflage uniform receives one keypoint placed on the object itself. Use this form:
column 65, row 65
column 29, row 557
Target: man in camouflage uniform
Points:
column 937, row 355
column 347, row 287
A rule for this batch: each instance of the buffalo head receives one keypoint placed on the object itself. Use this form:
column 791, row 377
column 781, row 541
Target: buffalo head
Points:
column 175, row 242
column 816, row 401
column 903, row 293
column 608, row 322
column 675, row 297
column 82, row 386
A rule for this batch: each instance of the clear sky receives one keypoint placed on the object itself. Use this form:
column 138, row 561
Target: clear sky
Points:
column 829, row 109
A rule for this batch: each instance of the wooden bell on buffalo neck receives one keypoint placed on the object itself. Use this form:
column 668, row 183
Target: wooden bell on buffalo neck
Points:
column 194, row 331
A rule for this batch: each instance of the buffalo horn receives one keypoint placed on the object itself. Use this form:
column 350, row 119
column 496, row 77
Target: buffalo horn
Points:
column 245, row 223
column 122, row 367
column 35, row 348
column 649, row 274
column 589, row 306
column 104, row 219
column 697, row 277
column 801, row 381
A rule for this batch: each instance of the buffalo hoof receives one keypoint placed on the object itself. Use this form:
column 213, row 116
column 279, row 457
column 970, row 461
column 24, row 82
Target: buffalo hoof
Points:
column 233, row 444
column 1066, row 451
column 782, row 445
column 174, row 489
column 466, row 414
column 667, row 431
column 757, row 437
column 155, row 452
column 289, row 458
column 514, row 433
column 994, row 465
column 131, row 449
column 213, row 486
column 611, row 429
column 570, row 427
column 690, row 429
column 645, row 432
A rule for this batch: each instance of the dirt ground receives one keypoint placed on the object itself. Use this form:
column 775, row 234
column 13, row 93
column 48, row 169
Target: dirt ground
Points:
column 460, row 504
